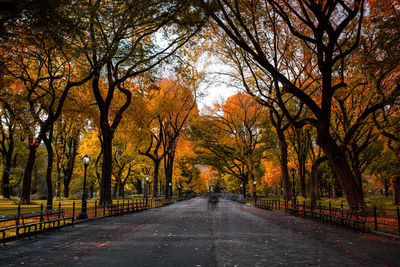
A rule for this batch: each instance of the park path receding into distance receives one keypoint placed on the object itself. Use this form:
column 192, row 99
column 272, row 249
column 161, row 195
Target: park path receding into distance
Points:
column 188, row 234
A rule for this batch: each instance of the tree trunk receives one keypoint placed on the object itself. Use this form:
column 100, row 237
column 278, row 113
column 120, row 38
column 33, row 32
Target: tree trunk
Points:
column 155, row 176
column 386, row 185
column 69, row 170
column 50, row 158
column 106, row 171
column 338, row 160
column 284, row 166
column 168, row 167
column 6, row 180
column 121, row 189
column 334, row 191
column 27, row 181
column 303, row 178
column 114, row 193
column 58, row 183
column 314, row 179
column 396, row 189
column 66, row 188
column 8, row 162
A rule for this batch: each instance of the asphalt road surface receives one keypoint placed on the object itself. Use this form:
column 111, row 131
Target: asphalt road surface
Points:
column 188, row 234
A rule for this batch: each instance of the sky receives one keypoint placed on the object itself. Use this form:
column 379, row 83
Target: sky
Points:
column 216, row 88
column 215, row 93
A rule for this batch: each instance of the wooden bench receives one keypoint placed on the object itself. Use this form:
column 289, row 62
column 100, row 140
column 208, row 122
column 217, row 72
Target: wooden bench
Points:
column 12, row 220
column 293, row 209
column 354, row 218
column 122, row 208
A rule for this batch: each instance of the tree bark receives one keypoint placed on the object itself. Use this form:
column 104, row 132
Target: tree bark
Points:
column 386, row 185
column 338, row 160
column 168, row 168
column 69, row 170
column 121, row 189
column 396, row 189
column 314, row 179
column 8, row 160
column 6, row 179
column 334, row 191
column 116, row 184
column 106, row 171
column 50, row 159
column 284, row 166
column 155, row 176
column 27, row 181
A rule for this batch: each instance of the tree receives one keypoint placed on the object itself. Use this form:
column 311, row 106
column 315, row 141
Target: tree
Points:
column 7, row 147
column 169, row 109
column 119, row 42
column 44, row 74
column 382, row 69
column 229, row 137
column 327, row 33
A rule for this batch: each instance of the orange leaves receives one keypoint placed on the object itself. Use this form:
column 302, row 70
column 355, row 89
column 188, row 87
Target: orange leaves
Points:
column 272, row 173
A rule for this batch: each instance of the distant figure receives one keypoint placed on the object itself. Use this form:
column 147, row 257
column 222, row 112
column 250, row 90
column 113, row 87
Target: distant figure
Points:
column 212, row 201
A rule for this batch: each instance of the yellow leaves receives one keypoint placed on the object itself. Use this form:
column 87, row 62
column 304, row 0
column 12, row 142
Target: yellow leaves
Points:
column 272, row 173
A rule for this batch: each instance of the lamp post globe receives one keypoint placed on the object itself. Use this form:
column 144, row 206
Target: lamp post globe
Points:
column 83, row 214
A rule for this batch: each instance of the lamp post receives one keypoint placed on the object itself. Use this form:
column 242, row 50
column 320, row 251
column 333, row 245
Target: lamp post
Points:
column 146, row 186
column 293, row 172
column 170, row 189
column 83, row 214
column 254, row 192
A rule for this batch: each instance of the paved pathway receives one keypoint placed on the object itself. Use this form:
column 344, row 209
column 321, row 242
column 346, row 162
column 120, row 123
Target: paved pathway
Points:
column 187, row 234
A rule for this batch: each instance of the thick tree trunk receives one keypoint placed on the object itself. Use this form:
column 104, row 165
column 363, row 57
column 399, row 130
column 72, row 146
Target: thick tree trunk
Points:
column 155, row 176
column 106, row 171
column 396, row 189
column 27, row 181
column 284, row 166
column 66, row 188
column 69, row 170
column 337, row 159
column 168, row 168
column 50, row 158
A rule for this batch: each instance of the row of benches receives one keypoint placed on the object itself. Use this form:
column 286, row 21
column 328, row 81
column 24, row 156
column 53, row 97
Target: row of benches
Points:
column 351, row 217
column 31, row 222
column 36, row 220
column 123, row 208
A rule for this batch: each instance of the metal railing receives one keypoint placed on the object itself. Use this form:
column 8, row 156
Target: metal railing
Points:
column 23, row 221
column 377, row 219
